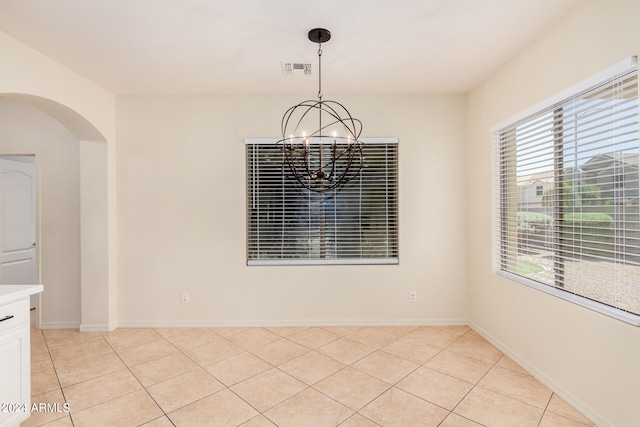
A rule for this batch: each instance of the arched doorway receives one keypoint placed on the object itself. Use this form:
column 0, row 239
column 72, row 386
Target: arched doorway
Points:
column 78, row 292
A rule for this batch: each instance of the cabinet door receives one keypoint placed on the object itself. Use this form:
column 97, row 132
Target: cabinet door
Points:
column 15, row 387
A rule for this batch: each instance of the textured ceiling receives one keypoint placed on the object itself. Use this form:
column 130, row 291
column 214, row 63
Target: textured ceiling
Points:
column 210, row 46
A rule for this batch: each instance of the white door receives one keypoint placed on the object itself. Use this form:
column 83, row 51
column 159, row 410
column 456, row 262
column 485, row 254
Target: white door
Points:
column 17, row 222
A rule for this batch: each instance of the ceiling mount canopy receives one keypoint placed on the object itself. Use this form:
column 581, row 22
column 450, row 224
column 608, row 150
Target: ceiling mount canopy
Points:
column 320, row 139
column 319, row 35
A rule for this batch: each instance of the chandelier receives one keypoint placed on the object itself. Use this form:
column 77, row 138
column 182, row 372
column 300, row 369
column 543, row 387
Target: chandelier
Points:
column 328, row 157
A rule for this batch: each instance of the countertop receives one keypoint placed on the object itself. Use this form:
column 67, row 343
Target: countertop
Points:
column 10, row 293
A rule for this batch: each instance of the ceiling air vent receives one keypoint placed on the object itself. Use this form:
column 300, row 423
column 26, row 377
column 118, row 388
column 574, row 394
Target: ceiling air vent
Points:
column 295, row 69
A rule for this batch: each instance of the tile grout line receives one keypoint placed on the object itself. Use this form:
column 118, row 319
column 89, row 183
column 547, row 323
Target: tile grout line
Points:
column 450, row 411
column 311, row 386
column 395, row 385
column 143, row 386
column 251, row 351
column 375, row 349
column 391, row 385
column 103, row 375
column 422, row 366
column 166, row 415
column 476, row 383
column 308, row 386
column 277, row 367
column 499, row 393
column 545, row 409
column 55, row 370
column 467, row 394
column 228, row 388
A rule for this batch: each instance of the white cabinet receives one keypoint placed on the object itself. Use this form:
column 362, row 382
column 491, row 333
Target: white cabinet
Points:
column 15, row 353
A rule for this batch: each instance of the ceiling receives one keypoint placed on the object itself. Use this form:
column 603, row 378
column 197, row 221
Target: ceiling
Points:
column 213, row 46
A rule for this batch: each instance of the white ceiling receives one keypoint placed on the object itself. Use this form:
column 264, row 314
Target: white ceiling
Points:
column 237, row 46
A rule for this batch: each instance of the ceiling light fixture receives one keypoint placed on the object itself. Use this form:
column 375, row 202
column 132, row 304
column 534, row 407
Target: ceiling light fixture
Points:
column 330, row 156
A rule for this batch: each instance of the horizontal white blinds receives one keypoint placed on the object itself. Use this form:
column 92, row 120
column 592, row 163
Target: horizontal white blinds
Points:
column 354, row 224
column 567, row 213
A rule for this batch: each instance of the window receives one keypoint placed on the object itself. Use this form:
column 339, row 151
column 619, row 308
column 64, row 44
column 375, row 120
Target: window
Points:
column 539, row 190
column 356, row 224
column 581, row 240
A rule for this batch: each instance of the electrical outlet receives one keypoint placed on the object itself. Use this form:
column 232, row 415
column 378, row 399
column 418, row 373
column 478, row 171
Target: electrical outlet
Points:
column 413, row 296
column 185, row 297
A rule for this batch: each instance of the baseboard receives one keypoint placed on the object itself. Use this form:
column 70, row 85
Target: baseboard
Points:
column 557, row 388
column 94, row 328
column 289, row 323
column 59, row 325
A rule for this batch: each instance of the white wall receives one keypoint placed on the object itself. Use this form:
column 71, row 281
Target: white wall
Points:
column 181, row 198
column 27, row 71
column 87, row 111
column 26, row 130
column 591, row 360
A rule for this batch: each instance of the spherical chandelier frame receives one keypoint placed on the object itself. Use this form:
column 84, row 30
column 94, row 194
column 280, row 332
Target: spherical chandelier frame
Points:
column 318, row 161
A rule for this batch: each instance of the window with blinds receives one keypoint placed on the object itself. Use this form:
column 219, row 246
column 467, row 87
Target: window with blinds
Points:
column 354, row 224
column 566, row 213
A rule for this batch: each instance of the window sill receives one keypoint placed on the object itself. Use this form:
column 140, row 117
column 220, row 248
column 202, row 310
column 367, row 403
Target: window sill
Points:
column 354, row 261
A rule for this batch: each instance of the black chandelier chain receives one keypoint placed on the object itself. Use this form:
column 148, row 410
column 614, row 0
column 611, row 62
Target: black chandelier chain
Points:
column 320, row 72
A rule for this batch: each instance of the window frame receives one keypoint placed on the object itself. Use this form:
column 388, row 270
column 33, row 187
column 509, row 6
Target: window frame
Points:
column 502, row 198
column 393, row 217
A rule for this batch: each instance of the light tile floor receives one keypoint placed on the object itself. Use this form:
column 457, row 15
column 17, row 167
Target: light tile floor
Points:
column 316, row 376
